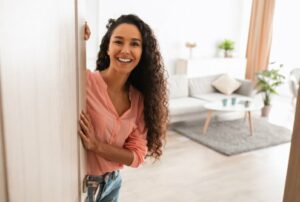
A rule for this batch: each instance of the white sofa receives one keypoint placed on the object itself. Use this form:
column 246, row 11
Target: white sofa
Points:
column 187, row 96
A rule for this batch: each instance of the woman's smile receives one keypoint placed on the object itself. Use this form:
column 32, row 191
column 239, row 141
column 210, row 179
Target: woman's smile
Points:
column 124, row 60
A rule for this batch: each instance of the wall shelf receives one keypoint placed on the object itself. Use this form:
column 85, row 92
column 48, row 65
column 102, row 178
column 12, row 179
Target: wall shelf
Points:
column 235, row 67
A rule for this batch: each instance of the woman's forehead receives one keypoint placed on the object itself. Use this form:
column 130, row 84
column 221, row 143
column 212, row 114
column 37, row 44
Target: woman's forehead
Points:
column 127, row 31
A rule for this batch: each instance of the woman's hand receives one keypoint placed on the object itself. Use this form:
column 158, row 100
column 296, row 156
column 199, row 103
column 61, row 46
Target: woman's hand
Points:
column 107, row 151
column 87, row 32
column 87, row 132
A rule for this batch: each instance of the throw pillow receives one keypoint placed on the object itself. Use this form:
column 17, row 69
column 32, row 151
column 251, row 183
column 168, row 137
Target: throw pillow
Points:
column 226, row 84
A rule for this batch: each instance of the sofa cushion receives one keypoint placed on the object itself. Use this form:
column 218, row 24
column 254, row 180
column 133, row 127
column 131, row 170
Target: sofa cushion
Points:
column 202, row 85
column 178, row 86
column 247, row 88
column 226, row 84
column 214, row 97
column 185, row 105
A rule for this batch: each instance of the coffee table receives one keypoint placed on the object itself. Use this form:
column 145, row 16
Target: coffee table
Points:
column 238, row 107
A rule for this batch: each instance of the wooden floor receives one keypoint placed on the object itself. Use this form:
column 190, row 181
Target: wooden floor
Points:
column 190, row 172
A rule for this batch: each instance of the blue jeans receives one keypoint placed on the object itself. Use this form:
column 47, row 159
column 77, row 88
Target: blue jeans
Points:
column 108, row 187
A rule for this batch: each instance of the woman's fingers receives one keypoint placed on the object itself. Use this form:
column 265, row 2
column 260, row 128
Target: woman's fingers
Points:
column 82, row 136
column 86, row 141
column 87, row 120
column 84, row 118
column 87, row 31
column 83, row 127
column 85, row 130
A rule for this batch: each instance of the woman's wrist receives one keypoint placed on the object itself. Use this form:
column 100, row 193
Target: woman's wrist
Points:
column 113, row 153
column 98, row 148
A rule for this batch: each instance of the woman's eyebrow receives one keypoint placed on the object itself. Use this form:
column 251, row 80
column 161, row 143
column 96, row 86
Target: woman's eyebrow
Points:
column 118, row 37
column 133, row 39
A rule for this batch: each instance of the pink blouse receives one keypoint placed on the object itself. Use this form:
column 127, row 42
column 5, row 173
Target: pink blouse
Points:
column 125, row 131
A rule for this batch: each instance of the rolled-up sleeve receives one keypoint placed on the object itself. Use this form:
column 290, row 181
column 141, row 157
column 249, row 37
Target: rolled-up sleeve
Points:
column 137, row 141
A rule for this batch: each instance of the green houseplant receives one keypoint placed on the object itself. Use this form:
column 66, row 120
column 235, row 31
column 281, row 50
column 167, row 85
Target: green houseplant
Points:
column 267, row 81
column 228, row 46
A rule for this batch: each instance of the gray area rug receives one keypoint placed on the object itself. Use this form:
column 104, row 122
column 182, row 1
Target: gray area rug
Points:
column 233, row 137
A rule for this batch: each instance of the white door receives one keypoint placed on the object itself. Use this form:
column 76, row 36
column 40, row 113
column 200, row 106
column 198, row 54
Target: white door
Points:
column 41, row 64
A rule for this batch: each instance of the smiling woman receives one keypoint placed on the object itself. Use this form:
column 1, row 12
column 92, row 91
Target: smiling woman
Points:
column 125, row 48
column 126, row 117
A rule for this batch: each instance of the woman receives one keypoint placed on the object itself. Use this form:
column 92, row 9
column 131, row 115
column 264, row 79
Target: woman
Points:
column 126, row 116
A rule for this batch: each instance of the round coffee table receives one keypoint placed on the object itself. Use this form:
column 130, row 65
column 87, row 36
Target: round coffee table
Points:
column 238, row 107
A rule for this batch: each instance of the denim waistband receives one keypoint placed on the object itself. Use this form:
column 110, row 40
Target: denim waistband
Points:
column 102, row 178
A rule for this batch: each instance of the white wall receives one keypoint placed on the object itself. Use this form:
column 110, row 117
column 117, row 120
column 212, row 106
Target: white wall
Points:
column 285, row 40
column 177, row 22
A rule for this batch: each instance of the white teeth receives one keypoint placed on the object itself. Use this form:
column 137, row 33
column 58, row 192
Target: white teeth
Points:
column 124, row 59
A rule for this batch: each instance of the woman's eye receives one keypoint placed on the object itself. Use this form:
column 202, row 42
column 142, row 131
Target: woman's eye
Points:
column 135, row 44
column 118, row 42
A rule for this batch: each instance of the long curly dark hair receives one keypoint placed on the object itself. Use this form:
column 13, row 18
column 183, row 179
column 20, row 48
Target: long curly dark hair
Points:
column 148, row 77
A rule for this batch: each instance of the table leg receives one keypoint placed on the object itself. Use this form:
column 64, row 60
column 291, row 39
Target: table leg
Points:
column 207, row 121
column 250, row 122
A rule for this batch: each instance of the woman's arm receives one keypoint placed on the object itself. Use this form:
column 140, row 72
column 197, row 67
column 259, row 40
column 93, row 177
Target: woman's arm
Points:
column 106, row 151
column 114, row 153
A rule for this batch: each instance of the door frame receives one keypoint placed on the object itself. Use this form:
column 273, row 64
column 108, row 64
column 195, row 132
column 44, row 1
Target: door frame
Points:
column 80, row 7
column 3, row 169
column 292, row 184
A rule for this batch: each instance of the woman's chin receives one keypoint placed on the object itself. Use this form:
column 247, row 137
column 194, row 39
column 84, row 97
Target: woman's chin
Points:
column 124, row 69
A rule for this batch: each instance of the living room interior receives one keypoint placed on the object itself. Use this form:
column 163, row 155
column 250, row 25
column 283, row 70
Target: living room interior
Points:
column 190, row 33
column 217, row 152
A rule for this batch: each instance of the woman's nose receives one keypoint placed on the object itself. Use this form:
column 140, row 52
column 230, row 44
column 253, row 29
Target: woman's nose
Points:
column 125, row 49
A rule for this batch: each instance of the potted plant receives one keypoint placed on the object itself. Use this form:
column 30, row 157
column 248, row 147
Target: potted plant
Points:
column 267, row 81
column 228, row 46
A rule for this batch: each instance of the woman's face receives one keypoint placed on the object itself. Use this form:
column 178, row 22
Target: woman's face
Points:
column 125, row 48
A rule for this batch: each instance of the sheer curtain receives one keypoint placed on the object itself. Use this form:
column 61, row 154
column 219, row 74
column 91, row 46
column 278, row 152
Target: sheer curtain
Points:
column 260, row 37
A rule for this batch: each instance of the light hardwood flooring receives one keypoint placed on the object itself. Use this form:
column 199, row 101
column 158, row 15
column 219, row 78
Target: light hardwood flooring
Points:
column 191, row 172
